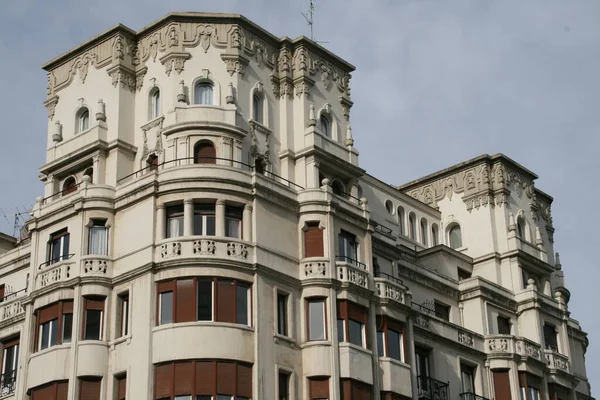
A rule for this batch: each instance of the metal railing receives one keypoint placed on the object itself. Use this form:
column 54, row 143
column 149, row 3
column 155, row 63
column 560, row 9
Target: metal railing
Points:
column 8, row 383
column 426, row 310
column 10, row 296
column 195, row 160
column 351, row 261
column 62, row 192
column 389, row 278
column 471, row 396
column 384, row 230
column 432, row 389
column 55, row 260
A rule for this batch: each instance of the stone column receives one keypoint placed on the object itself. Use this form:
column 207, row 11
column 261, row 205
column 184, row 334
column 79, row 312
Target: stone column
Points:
column 160, row 222
column 220, row 218
column 188, row 217
column 312, row 173
column 413, row 359
column 247, row 223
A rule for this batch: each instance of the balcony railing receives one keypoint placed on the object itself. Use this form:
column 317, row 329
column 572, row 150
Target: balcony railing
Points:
column 12, row 295
column 471, row 396
column 351, row 261
column 432, row 389
column 8, row 383
column 426, row 310
column 56, row 260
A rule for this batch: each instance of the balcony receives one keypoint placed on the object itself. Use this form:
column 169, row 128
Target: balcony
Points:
column 390, row 288
column 205, row 115
column 395, row 376
column 80, row 143
column 471, row 396
column 556, row 361
column 352, row 271
column 315, row 267
column 55, row 271
column 431, row 389
column 8, row 383
column 207, row 247
column 11, row 307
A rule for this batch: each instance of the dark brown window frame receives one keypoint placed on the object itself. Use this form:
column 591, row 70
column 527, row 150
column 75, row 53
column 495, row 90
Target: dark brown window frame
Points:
column 63, row 307
column 58, row 388
column 93, row 303
column 171, row 286
column 346, row 311
column 352, row 389
column 385, row 324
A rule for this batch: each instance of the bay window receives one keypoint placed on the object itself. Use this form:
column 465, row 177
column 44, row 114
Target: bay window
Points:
column 175, row 221
column 233, row 222
column 204, row 219
column 98, row 238
column 390, row 338
column 54, row 324
column 316, row 319
column 93, row 318
column 352, row 320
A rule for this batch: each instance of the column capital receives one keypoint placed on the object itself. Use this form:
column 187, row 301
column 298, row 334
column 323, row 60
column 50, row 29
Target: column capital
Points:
column 160, row 207
column 248, row 207
column 188, row 201
column 220, row 202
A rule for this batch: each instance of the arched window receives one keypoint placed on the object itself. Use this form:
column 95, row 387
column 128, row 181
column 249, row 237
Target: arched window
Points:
column 154, row 103
column 521, row 228
column 205, row 153
column 400, row 212
column 69, row 186
column 203, row 93
column 389, row 207
column 325, row 125
column 337, row 187
column 257, row 108
column 412, row 228
column 90, row 172
column 424, row 231
column 434, row 235
column 455, row 237
column 83, row 120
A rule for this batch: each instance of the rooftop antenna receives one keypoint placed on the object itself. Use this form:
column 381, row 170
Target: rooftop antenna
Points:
column 310, row 20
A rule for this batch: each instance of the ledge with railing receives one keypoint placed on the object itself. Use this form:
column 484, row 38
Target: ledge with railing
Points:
column 471, row 396
column 352, row 271
column 556, row 361
column 8, row 383
column 390, row 287
column 432, row 389
column 204, row 247
column 10, row 305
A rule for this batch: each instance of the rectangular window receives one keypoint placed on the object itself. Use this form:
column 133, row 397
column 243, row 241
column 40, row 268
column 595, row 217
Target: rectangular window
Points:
column 49, row 333
column 54, row 390
column 2, row 292
column 204, row 219
column 318, row 388
column 394, row 343
column 242, row 302
column 313, row 240
column 422, row 356
column 174, row 221
column 67, row 327
column 524, row 278
column 501, row 384
column 380, row 344
column 282, row 317
column 467, row 381
column 534, row 393
column 341, row 330
column 353, row 320
column 283, row 386
column 205, row 299
column 54, row 324
column 347, row 247
column 503, row 325
column 10, row 359
column 121, row 386
column 123, row 323
column 98, row 238
column 442, row 311
column 233, row 222
column 92, row 322
column 89, row 388
column 166, row 308
column 316, row 319
column 550, row 337
column 355, row 332
column 390, row 339
column 463, row 274
column 58, row 246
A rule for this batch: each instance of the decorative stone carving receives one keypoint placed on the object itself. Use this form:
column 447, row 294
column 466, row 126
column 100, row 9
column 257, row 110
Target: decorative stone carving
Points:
column 139, row 78
column 50, row 104
column 465, row 338
column 284, row 60
column 527, row 349
column 95, row 267
column 346, row 106
column 11, row 310
column 230, row 98
column 236, row 38
column 300, row 60
column 352, row 275
column 57, row 135
column 170, row 250
column 118, row 48
column 204, row 247
column 234, row 63
column 498, row 345
column 123, row 76
column 101, row 114
column 302, row 87
column 315, row 269
column 237, row 250
column 55, row 275
column 422, row 321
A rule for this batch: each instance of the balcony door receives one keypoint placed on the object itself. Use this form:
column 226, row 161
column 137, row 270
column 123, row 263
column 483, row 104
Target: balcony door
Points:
column 422, row 356
column 467, row 381
column 10, row 357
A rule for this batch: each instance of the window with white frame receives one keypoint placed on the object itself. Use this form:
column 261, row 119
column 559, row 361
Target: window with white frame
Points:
column 390, row 338
column 351, row 322
column 10, row 360
column 204, row 219
column 123, row 315
column 204, row 93
column 93, row 318
column 98, row 238
column 316, row 318
column 282, row 313
column 233, row 221
column 348, row 247
column 155, row 110
column 455, row 237
column 174, row 221
column 58, row 246
column 54, row 324
column 258, row 108
column 83, row 120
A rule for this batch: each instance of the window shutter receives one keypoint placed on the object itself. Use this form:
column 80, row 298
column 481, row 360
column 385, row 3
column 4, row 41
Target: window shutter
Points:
column 361, row 391
column 244, row 380
column 533, row 381
column 357, row 313
column 319, row 387
column 206, row 154
column 225, row 301
column 94, row 304
column 501, row 385
column 2, row 291
column 226, row 378
column 48, row 313
column 346, row 389
column 44, row 393
column 205, row 377
column 89, row 389
column 67, row 307
column 342, row 309
column 184, row 378
column 62, row 390
column 163, row 380
column 185, row 303
column 121, row 387
column 313, row 241
column 394, row 325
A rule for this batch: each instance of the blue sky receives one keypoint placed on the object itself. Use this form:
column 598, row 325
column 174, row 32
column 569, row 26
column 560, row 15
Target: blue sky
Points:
column 437, row 82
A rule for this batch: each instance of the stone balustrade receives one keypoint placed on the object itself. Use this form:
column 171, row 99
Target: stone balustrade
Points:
column 204, row 247
column 556, row 361
column 387, row 289
column 10, row 309
column 347, row 272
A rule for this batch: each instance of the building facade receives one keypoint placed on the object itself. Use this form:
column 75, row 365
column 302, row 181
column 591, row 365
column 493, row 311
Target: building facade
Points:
column 206, row 232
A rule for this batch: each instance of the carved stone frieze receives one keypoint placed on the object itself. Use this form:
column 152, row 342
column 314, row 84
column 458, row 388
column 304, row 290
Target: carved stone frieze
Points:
column 123, row 76
column 174, row 61
column 50, row 104
column 234, row 63
column 498, row 345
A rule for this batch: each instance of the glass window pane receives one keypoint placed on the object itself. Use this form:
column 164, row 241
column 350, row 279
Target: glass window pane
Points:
column 65, row 245
column 175, row 226
column 394, row 344
column 93, row 321
column 54, row 332
column 67, row 328
column 224, row 397
column 355, row 332
column 166, row 308
column 340, row 330
column 232, row 227
column 210, row 225
column 242, row 305
column 380, row 349
column 282, row 314
column 203, row 397
column 98, row 243
column 284, row 383
column 198, row 224
column 316, row 321
column 184, row 397
column 455, row 237
column 45, row 336
column 205, row 298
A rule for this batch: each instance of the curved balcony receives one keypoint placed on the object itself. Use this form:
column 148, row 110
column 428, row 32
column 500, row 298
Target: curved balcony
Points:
column 355, row 363
column 199, row 340
column 316, row 358
column 53, row 364
column 505, row 346
column 390, row 289
column 96, row 266
column 201, row 116
column 204, row 247
column 395, row 376
column 352, row 272
column 92, row 358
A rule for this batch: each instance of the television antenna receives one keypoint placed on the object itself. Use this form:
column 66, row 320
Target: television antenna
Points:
column 18, row 221
column 311, row 21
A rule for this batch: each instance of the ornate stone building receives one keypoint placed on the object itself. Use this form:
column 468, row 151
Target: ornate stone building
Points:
column 206, row 232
